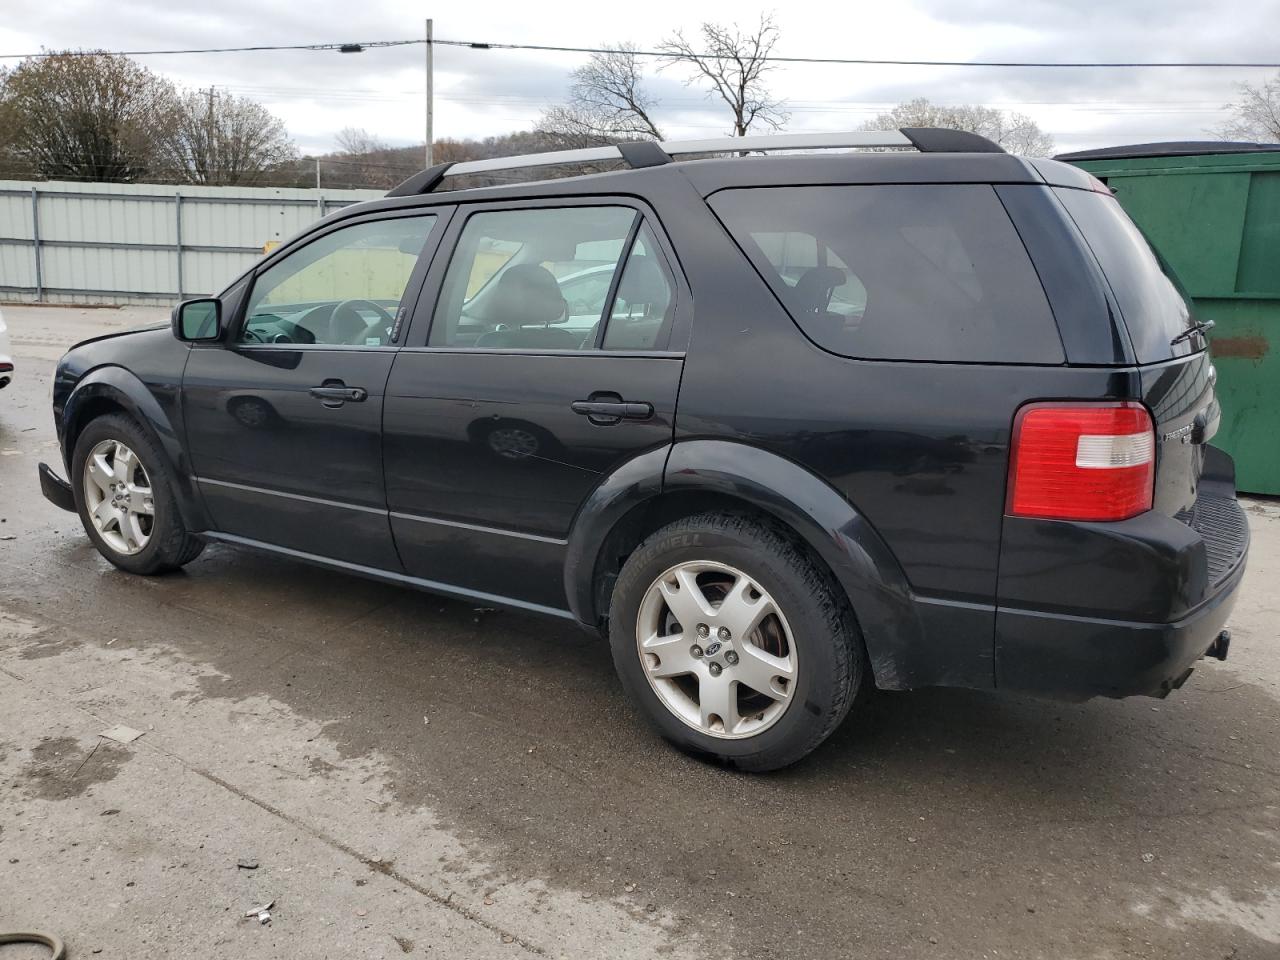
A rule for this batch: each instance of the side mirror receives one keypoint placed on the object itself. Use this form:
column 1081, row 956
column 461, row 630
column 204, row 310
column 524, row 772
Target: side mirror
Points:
column 198, row 320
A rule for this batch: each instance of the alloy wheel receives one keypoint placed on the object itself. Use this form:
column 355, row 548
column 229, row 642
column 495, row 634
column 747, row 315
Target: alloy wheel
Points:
column 118, row 497
column 716, row 649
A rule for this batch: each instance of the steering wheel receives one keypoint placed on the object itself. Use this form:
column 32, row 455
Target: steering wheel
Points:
column 349, row 306
column 249, row 335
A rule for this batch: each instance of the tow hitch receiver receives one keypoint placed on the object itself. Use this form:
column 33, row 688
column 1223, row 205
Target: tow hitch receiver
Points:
column 1221, row 644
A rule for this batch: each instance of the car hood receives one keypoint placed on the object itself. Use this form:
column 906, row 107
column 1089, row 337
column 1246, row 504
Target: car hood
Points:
column 122, row 333
column 152, row 348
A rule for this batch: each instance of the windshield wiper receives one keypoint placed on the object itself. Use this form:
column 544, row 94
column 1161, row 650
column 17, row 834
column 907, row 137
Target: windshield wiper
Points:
column 1200, row 326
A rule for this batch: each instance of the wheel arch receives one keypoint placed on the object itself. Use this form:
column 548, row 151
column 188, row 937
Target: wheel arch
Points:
column 113, row 389
column 696, row 476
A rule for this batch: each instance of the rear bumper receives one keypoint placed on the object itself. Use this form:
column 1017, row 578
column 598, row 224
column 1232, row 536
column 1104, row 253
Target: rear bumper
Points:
column 1078, row 657
column 1117, row 609
column 56, row 490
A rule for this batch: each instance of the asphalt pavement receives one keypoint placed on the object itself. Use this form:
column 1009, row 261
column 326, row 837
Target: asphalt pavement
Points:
column 412, row 776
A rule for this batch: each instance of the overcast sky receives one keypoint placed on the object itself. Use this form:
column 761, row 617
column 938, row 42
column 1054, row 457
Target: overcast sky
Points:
column 490, row 92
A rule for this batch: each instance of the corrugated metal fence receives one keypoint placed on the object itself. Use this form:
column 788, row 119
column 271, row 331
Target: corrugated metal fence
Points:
column 139, row 243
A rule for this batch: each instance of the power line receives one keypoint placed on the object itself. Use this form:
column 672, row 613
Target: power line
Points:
column 339, row 47
column 546, row 48
column 793, row 104
column 358, row 47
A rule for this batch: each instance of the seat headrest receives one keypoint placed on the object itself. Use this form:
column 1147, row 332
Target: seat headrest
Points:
column 813, row 289
column 643, row 282
column 527, row 293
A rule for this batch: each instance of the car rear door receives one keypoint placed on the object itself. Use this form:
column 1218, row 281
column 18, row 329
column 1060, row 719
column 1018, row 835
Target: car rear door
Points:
column 514, row 397
column 283, row 416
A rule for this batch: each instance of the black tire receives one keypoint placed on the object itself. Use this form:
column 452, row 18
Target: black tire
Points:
column 170, row 545
column 831, row 660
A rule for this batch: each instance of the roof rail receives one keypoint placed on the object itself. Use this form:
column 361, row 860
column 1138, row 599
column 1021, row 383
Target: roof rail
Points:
column 648, row 153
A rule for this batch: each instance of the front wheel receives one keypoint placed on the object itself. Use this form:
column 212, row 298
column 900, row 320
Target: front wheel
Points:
column 734, row 642
column 125, row 499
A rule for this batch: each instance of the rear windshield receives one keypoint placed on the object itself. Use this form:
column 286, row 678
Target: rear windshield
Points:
column 918, row 272
column 1153, row 307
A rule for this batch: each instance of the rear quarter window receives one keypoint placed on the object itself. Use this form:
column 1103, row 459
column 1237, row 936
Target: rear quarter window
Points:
column 919, row 272
column 1150, row 301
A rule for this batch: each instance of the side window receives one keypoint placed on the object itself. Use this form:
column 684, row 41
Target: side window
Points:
column 641, row 311
column 798, row 256
column 919, row 272
column 343, row 288
column 533, row 279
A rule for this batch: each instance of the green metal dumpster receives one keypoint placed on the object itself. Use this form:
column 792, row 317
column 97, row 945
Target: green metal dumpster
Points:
column 1213, row 212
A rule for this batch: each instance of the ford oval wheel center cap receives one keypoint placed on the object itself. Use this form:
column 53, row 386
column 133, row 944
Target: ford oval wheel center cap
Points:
column 716, row 649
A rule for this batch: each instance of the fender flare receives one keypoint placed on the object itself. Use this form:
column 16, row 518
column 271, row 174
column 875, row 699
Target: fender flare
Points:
column 860, row 560
column 629, row 486
column 123, row 388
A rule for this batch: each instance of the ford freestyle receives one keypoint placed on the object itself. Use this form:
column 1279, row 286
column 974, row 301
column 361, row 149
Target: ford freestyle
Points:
column 782, row 428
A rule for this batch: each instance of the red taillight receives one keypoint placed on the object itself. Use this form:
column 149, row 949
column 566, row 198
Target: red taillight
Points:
column 1081, row 461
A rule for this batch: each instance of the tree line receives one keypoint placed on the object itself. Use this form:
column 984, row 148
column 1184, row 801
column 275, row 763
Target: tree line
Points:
column 83, row 115
column 108, row 118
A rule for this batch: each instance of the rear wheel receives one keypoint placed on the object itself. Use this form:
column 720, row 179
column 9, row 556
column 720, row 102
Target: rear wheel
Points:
column 734, row 642
column 124, row 496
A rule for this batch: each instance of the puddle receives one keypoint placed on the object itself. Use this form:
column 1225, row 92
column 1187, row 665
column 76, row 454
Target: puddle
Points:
column 61, row 768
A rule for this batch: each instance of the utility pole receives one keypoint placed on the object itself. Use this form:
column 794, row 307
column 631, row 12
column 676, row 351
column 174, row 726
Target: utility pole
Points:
column 210, row 156
column 317, row 173
column 430, row 133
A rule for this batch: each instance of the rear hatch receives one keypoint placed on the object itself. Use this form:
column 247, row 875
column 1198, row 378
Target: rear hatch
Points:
column 1193, row 482
column 1177, row 375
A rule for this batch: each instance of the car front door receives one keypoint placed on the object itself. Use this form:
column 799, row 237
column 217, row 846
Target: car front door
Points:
column 283, row 417
column 519, row 390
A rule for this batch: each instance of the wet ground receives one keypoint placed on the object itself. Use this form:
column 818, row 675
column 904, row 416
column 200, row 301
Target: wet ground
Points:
column 415, row 777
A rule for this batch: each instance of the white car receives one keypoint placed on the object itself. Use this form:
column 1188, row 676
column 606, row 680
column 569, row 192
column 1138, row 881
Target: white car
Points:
column 6, row 355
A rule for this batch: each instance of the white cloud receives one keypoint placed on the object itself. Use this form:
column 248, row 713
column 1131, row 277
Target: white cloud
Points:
column 488, row 92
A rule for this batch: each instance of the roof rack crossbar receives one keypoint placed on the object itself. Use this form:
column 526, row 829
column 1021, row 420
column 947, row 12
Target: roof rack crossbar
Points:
column 647, row 153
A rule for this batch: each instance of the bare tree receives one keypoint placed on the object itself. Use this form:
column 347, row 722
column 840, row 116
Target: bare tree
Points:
column 1256, row 115
column 356, row 141
column 385, row 166
column 84, row 116
column 13, row 164
column 1016, row 132
column 219, row 138
column 609, row 91
column 734, row 62
column 454, row 151
column 567, row 127
column 366, row 160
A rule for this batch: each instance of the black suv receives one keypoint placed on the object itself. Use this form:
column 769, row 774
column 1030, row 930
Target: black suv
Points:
column 782, row 427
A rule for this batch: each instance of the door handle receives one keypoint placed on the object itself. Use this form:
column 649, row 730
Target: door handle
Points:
column 611, row 411
column 336, row 394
